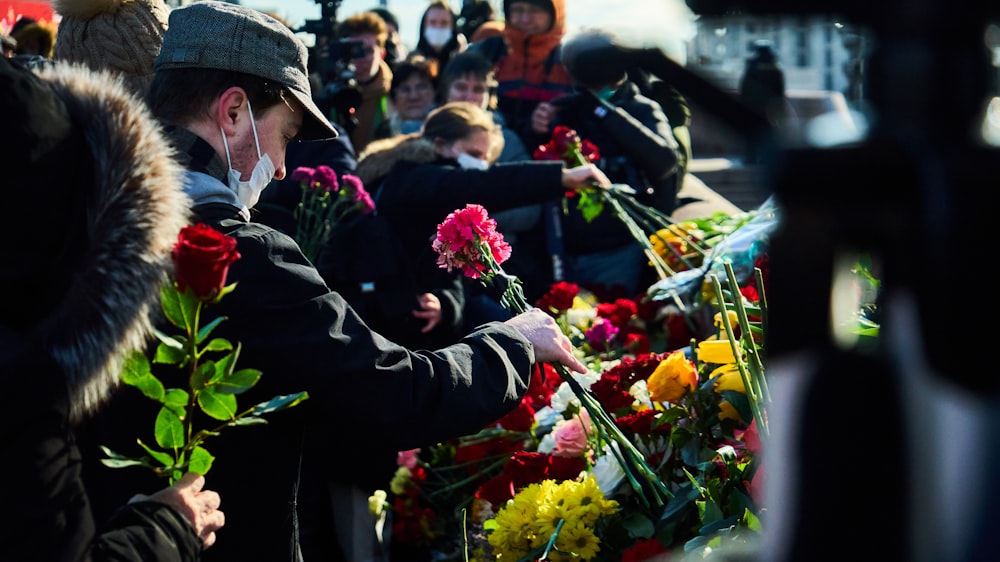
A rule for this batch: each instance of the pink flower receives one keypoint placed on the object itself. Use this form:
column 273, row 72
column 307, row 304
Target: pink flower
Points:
column 571, row 436
column 326, row 178
column 320, row 177
column 408, row 458
column 353, row 185
column 601, row 334
column 468, row 240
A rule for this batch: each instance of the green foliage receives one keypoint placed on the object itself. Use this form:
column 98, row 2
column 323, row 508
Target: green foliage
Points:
column 214, row 383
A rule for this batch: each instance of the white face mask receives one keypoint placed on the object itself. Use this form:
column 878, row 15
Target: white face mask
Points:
column 249, row 191
column 471, row 163
column 437, row 36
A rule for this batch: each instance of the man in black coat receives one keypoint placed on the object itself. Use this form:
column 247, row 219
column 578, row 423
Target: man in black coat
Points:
column 231, row 86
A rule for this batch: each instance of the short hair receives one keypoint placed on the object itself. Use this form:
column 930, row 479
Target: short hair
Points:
column 184, row 95
column 365, row 22
column 457, row 120
column 463, row 64
column 415, row 65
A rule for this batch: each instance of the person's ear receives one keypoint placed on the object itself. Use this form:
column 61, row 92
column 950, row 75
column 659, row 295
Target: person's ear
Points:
column 228, row 111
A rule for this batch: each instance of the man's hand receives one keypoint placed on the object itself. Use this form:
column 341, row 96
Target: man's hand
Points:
column 551, row 345
column 200, row 507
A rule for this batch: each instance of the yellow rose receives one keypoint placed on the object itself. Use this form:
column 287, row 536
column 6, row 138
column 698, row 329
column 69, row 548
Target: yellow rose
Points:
column 674, row 377
column 727, row 377
column 716, row 351
column 728, row 412
column 733, row 321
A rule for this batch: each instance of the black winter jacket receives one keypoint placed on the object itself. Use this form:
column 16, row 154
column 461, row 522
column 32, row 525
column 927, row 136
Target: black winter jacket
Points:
column 369, row 397
column 637, row 148
column 78, row 291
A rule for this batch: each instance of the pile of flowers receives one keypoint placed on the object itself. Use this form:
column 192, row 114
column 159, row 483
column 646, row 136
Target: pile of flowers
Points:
column 547, row 481
column 658, row 450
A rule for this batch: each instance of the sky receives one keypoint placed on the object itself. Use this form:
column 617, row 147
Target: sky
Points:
column 663, row 23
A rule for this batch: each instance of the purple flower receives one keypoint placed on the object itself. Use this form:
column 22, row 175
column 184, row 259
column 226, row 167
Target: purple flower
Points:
column 601, row 334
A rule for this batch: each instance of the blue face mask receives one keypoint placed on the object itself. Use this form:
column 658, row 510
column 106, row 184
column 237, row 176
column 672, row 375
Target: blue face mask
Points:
column 605, row 93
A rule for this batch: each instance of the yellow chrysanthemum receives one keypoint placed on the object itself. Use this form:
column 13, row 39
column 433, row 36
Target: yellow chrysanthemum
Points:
column 716, row 351
column 674, row 377
column 577, row 539
column 727, row 377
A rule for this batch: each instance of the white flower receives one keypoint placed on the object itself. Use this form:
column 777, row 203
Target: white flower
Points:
column 640, row 392
column 608, row 473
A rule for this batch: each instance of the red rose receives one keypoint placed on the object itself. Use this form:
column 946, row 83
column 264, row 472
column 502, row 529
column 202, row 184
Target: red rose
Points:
column 202, row 256
column 527, row 467
column 564, row 138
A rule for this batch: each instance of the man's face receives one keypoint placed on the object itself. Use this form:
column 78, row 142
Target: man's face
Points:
column 366, row 67
column 414, row 98
column 276, row 127
column 528, row 18
column 469, row 88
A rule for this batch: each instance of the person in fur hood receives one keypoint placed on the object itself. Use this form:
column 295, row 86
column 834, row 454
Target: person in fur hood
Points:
column 78, row 289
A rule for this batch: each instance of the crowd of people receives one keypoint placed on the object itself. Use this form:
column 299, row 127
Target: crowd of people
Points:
column 215, row 104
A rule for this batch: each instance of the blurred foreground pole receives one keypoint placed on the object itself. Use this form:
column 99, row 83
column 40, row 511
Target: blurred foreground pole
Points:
column 887, row 454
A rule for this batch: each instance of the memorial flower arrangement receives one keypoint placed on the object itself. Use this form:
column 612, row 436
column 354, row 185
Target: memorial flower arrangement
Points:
column 326, row 202
column 191, row 414
column 694, row 415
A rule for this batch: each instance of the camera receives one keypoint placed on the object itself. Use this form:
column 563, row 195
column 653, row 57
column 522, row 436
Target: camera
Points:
column 339, row 95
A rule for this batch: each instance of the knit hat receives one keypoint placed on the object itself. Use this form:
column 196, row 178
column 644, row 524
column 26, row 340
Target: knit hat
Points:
column 123, row 36
column 218, row 35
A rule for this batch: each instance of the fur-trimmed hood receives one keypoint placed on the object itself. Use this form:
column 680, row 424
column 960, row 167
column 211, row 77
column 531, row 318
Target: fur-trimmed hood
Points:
column 134, row 209
column 380, row 156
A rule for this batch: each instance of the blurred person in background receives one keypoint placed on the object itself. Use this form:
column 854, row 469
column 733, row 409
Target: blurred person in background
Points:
column 439, row 39
column 395, row 50
column 411, row 97
column 528, row 68
column 373, row 75
column 637, row 148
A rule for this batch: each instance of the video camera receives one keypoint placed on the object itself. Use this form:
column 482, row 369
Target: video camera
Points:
column 332, row 56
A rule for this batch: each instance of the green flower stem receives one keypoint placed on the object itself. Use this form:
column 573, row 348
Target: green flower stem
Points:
column 751, row 380
column 662, row 269
column 755, row 364
column 192, row 352
column 469, row 480
column 648, row 486
column 660, row 220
